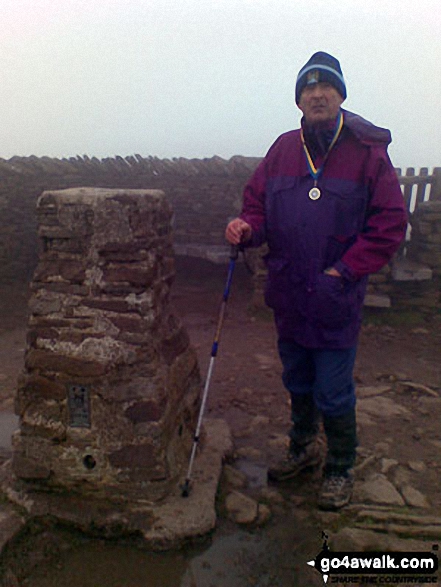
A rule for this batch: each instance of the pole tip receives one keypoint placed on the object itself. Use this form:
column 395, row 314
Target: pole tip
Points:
column 186, row 489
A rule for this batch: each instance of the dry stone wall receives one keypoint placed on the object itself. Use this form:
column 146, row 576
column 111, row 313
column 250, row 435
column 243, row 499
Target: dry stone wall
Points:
column 110, row 391
column 203, row 193
column 425, row 245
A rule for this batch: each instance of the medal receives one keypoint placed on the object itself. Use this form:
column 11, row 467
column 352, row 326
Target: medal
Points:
column 314, row 193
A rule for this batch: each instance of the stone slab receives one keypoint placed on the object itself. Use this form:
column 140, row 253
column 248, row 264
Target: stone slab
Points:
column 167, row 524
column 377, row 301
column 381, row 407
column 219, row 254
column 354, row 539
column 378, row 489
column 406, row 270
column 10, row 523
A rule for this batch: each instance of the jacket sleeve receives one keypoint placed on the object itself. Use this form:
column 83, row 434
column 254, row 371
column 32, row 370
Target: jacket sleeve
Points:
column 253, row 207
column 385, row 224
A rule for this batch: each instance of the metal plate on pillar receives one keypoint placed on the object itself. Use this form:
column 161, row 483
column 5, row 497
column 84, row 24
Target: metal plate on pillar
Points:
column 78, row 401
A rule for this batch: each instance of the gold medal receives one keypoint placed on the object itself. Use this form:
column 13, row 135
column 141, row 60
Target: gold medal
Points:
column 314, row 193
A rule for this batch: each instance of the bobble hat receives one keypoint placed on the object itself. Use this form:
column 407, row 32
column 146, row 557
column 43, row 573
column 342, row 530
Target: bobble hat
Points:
column 322, row 67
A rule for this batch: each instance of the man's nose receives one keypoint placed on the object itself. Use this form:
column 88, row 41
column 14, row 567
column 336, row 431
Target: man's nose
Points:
column 316, row 91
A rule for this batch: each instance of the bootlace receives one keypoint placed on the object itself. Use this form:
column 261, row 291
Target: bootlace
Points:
column 335, row 482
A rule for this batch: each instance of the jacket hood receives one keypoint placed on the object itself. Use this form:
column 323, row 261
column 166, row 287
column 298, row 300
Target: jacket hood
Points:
column 365, row 131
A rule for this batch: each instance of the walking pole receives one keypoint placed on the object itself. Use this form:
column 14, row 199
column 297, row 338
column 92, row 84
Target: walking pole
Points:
column 234, row 253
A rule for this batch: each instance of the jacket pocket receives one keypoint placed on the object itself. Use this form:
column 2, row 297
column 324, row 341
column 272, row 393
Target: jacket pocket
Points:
column 348, row 209
column 333, row 302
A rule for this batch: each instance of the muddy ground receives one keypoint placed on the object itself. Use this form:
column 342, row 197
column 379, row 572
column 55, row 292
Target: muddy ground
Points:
column 246, row 390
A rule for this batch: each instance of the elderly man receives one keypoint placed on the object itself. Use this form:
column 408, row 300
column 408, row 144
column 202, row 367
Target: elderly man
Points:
column 327, row 201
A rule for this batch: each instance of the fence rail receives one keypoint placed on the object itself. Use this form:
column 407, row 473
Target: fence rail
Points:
column 419, row 188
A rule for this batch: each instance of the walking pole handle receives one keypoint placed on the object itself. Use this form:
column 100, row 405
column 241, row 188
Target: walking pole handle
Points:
column 234, row 252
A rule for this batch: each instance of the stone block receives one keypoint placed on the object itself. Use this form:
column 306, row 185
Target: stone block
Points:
column 134, row 275
column 377, row 301
column 406, row 270
column 35, row 386
column 143, row 456
column 146, row 411
column 108, row 304
column 45, row 361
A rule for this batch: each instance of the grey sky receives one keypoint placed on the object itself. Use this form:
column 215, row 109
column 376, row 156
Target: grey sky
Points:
column 196, row 78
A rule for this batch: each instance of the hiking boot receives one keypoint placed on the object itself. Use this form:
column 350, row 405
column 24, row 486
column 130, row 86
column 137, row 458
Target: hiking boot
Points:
column 295, row 463
column 336, row 491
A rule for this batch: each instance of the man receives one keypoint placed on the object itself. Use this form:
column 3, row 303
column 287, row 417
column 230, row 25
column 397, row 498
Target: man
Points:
column 327, row 201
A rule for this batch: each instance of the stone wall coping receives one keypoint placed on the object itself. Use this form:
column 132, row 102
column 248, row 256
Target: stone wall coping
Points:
column 89, row 195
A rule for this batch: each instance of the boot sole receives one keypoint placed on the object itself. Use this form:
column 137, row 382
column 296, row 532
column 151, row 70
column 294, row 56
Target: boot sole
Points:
column 309, row 468
column 332, row 507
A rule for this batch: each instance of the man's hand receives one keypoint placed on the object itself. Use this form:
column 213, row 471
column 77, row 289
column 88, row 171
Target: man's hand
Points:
column 238, row 231
column 333, row 272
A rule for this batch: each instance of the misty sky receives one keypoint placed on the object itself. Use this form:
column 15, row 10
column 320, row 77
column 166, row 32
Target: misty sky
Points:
column 197, row 78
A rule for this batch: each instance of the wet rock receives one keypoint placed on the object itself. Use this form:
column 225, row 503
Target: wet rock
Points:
column 401, row 477
column 403, row 518
column 241, row 508
column 417, row 466
column 279, row 442
column 387, row 465
column 363, row 452
column 371, row 391
column 419, row 387
column 272, row 496
column 378, row 489
column 233, row 478
column 381, row 407
column 355, row 539
column 382, row 449
column 414, row 498
column 10, row 524
column 364, row 464
column 428, row 532
column 249, row 452
column 263, row 514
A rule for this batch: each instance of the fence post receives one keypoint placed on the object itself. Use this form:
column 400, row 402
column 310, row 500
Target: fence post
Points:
column 407, row 192
column 435, row 193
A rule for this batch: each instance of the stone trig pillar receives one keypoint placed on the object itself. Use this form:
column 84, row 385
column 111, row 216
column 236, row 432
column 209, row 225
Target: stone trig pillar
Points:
column 110, row 391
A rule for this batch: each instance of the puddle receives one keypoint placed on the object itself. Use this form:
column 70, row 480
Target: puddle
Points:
column 108, row 565
column 271, row 556
column 241, row 559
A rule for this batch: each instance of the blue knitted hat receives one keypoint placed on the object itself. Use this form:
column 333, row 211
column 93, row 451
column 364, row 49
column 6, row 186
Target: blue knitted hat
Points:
column 322, row 67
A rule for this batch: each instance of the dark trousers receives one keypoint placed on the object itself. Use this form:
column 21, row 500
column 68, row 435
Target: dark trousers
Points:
column 320, row 382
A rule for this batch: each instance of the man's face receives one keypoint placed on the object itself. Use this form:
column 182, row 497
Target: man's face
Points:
column 320, row 102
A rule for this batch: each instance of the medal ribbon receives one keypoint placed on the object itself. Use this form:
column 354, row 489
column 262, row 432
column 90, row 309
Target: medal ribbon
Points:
column 315, row 173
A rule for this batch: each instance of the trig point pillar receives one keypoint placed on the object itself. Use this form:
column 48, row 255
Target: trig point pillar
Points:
column 110, row 391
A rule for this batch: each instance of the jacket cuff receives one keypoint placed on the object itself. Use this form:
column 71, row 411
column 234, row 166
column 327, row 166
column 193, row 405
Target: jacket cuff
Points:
column 345, row 271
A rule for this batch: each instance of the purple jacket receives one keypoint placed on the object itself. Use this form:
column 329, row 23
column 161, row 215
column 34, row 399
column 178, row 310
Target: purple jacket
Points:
column 356, row 226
